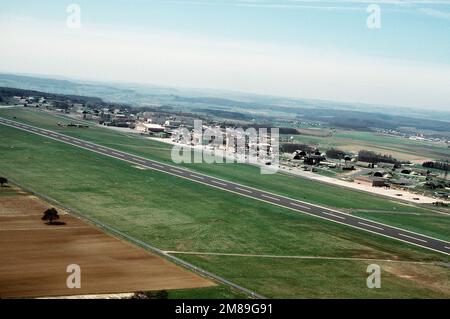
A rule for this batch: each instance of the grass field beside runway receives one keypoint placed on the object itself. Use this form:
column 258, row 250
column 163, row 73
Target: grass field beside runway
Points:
column 176, row 214
column 425, row 221
column 318, row 278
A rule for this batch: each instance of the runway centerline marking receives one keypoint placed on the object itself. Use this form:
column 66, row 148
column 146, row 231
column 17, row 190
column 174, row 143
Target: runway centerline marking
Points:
column 219, row 183
column 270, row 197
column 244, row 190
column 330, row 214
column 195, row 176
column 301, row 206
column 412, row 237
column 368, row 225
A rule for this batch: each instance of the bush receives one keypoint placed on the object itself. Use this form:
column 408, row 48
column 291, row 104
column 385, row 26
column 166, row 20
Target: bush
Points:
column 3, row 180
column 162, row 294
column 335, row 153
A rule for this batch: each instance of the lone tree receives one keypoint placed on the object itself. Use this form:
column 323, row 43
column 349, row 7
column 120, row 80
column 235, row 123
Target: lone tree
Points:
column 50, row 215
column 3, row 180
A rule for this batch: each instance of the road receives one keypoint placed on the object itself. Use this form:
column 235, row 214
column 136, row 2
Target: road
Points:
column 242, row 190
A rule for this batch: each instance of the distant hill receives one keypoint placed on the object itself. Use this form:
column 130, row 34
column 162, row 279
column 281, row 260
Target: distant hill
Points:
column 346, row 115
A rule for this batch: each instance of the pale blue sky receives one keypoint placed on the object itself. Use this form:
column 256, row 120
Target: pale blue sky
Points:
column 298, row 48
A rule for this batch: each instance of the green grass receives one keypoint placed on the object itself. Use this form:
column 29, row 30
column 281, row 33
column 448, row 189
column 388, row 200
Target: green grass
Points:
column 328, row 278
column 295, row 187
column 177, row 214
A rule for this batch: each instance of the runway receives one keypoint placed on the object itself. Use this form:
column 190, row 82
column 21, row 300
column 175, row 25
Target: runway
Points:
column 242, row 190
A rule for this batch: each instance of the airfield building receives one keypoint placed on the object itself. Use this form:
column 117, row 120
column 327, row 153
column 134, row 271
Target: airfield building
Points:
column 370, row 181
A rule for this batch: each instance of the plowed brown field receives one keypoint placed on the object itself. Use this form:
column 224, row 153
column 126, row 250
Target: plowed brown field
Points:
column 34, row 256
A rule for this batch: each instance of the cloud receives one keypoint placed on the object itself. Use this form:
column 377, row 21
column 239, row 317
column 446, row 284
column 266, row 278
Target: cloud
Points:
column 435, row 13
column 308, row 3
column 175, row 59
column 328, row 5
column 372, row 1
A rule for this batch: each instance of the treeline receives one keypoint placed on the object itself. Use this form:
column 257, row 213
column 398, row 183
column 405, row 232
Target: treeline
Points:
column 372, row 157
column 437, row 165
column 225, row 114
column 62, row 101
column 335, row 153
column 6, row 92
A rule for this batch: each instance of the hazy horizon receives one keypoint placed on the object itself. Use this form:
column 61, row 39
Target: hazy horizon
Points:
column 235, row 94
column 319, row 50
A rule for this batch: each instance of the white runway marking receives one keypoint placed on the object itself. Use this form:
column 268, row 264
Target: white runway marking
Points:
column 412, row 237
column 244, row 190
column 270, row 197
column 337, row 216
column 379, row 228
column 301, row 206
column 219, row 183
column 195, row 176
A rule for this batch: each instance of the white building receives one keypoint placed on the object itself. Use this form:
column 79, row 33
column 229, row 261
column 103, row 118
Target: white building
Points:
column 149, row 127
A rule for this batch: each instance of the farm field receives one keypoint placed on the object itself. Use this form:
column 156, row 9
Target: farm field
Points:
column 179, row 215
column 416, row 218
column 398, row 147
column 35, row 256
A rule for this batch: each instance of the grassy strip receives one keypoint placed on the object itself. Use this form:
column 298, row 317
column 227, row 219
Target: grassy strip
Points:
column 329, row 278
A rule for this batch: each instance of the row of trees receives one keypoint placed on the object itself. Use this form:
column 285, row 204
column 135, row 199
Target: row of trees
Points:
column 335, row 153
column 374, row 158
column 444, row 166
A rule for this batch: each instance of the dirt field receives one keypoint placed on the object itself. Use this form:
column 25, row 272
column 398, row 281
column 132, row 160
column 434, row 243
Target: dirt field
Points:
column 34, row 256
column 314, row 132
